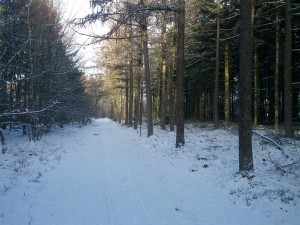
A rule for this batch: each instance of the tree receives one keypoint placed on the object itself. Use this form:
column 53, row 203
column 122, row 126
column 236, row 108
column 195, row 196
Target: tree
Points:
column 277, row 64
column 217, row 68
column 245, row 87
column 163, row 70
column 40, row 80
column 144, row 28
column 180, row 75
column 288, row 71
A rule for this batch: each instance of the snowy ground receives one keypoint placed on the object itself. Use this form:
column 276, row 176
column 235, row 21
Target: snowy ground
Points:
column 107, row 174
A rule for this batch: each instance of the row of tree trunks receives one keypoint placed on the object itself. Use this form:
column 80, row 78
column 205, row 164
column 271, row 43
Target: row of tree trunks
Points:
column 130, row 100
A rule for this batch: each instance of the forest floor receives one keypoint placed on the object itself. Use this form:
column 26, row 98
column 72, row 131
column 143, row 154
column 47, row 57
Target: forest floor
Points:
column 107, row 174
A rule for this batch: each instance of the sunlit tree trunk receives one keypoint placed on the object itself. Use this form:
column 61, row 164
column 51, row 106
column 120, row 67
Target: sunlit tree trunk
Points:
column 130, row 78
column 137, row 104
column 227, row 86
column 163, row 72
column 171, row 82
column 157, row 104
column 147, row 74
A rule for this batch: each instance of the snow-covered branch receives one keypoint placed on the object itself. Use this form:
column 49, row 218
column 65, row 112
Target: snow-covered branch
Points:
column 29, row 112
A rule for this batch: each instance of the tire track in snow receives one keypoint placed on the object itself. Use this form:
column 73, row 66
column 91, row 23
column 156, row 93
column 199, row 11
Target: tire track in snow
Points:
column 108, row 205
column 154, row 204
column 107, row 199
column 114, row 169
column 156, row 188
column 138, row 199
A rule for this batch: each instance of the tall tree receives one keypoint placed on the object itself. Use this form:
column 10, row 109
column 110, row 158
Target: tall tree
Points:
column 217, row 68
column 245, row 88
column 288, row 71
column 163, row 69
column 226, row 85
column 144, row 29
column 277, row 61
column 180, row 75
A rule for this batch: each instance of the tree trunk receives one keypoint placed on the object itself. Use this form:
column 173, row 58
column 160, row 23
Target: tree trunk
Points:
column 276, row 80
column 121, row 107
column 137, row 104
column 245, row 86
column 255, row 74
column 180, row 75
column 216, row 85
column 4, row 147
column 130, row 80
column 288, row 71
column 157, row 100
column 227, row 86
column 126, row 101
column 163, row 72
column 171, row 83
column 256, row 91
column 147, row 75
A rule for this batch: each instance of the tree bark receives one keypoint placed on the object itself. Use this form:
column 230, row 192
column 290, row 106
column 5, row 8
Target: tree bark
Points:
column 4, row 146
column 180, row 75
column 227, row 86
column 255, row 78
column 245, row 86
column 217, row 68
column 288, row 71
column 276, row 79
column 147, row 75
column 171, row 83
column 163, row 72
column 256, row 91
column 137, row 108
column 130, row 78
column 126, row 100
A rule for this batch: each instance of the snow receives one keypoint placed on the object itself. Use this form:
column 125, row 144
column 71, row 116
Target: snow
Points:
column 107, row 174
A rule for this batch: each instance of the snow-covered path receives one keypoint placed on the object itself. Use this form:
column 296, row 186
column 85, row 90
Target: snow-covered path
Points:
column 103, row 180
column 106, row 177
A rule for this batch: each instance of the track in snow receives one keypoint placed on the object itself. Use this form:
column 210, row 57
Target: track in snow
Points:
column 100, row 180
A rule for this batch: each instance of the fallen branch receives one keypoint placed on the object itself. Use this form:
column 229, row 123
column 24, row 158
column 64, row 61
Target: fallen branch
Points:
column 269, row 139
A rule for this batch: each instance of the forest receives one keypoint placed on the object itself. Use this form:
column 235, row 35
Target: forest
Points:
column 162, row 61
column 40, row 80
column 211, row 64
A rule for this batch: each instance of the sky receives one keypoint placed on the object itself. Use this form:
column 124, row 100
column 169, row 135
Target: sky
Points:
column 74, row 9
